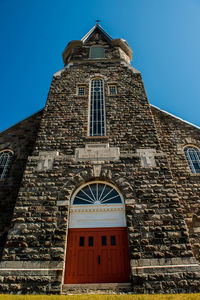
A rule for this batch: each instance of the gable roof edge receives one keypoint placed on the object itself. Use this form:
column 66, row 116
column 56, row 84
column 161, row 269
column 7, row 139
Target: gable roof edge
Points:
column 84, row 39
column 175, row 116
column 26, row 118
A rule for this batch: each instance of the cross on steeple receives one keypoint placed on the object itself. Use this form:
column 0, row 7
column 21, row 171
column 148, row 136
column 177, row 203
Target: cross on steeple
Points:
column 97, row 22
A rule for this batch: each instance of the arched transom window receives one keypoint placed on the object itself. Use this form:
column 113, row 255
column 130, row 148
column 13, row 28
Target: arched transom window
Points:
column 97, row 108
column 5, row 160
column 97, row 193
column 193, row 157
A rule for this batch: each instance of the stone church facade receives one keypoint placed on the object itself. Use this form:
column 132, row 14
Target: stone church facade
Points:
column 99, row 190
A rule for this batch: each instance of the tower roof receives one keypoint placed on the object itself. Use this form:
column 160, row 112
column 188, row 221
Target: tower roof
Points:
column 97, row 27
column 121, row 43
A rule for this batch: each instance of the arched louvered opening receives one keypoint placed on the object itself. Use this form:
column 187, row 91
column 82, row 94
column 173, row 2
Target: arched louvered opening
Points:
column 5, row 161
column 97, row 108
column 193, row 157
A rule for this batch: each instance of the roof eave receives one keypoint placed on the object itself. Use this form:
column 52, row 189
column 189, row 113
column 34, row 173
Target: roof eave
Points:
column 180, row 119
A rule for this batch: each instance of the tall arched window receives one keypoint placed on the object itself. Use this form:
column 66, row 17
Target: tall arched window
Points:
column 97, row 108
column 5, row 161
column 193, row 157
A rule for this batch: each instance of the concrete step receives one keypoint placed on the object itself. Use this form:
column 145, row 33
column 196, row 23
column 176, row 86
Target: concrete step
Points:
column 97, row 288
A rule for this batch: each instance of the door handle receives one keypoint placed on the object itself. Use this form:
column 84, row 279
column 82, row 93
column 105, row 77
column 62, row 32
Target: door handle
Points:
column 99, row 259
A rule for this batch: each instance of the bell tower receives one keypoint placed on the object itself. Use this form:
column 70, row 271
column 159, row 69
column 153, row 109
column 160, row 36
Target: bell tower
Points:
column 97, row 202
column 97, row 44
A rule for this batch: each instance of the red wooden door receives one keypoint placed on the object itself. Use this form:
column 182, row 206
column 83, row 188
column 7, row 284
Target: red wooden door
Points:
column 97, row 255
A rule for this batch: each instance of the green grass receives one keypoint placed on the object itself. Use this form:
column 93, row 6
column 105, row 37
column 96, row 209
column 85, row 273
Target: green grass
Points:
column 103, row 297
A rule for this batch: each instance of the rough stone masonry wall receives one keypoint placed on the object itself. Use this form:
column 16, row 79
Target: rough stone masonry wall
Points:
column 156, row 233
column 174, row 135
column 129, row 122
column 20, row 138
column 160, row 253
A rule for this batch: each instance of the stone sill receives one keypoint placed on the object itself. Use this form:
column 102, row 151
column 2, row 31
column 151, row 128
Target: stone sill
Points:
column 86, row 60
column 96, row 138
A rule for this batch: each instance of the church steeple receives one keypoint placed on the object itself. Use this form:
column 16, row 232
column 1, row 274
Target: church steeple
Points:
column 107, row 48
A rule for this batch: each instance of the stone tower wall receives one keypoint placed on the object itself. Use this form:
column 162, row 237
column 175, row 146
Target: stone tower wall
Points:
column 129, row 123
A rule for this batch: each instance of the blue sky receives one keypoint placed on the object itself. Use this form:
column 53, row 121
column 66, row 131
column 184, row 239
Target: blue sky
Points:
column 164, row 36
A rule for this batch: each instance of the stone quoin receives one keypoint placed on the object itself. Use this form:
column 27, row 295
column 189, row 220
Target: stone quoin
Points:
column 99, row 190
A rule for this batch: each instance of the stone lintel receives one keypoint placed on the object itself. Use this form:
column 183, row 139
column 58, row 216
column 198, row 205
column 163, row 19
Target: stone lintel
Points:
column 59, row 157
column 48, row 153
column 138, row 155
column 97, row 153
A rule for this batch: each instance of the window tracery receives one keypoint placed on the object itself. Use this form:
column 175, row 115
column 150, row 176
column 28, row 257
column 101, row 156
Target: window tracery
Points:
column 193, row 157
column 5, row 161
column 97, row 108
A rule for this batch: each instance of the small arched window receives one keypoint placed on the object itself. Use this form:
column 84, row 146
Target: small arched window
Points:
column 5, row 161
column 97, row 193
column 97, row 108
column 193, row 157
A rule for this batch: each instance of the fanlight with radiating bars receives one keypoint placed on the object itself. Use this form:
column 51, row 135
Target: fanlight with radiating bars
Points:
column 97, row 193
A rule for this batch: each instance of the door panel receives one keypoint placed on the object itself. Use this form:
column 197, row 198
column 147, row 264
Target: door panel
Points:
column 97, row 255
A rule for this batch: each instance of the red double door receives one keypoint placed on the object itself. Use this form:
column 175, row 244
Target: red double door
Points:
column 97, row 255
